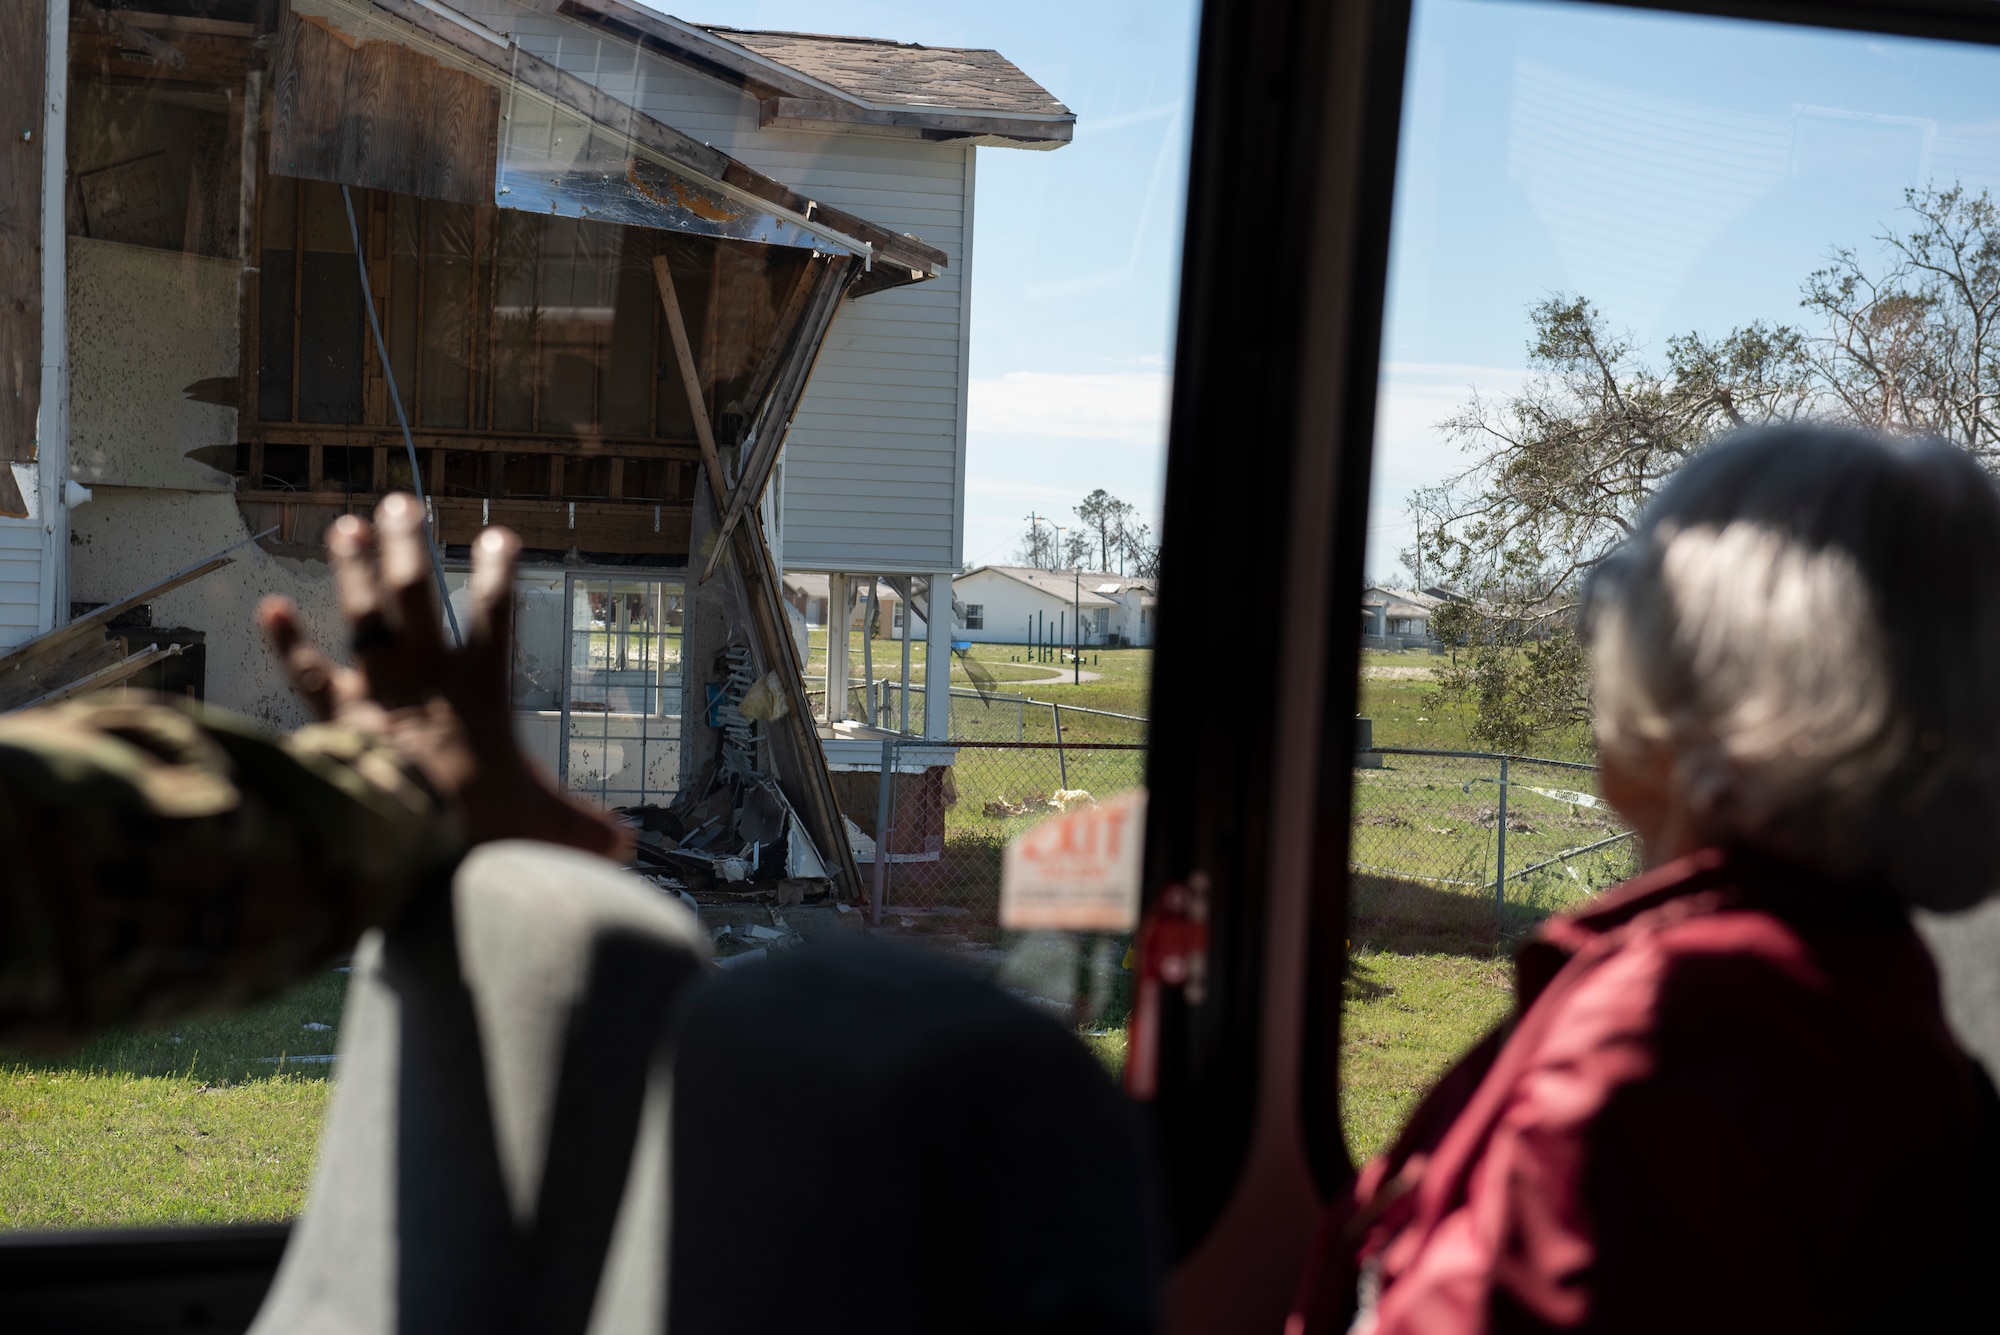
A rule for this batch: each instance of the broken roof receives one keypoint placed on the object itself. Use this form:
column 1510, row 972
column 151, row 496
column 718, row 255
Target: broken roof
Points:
column 567, row 147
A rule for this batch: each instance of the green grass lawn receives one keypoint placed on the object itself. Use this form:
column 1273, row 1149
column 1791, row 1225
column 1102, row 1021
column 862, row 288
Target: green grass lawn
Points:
column 1406, row 1018
column 1123, row 681
column 1429, row 968
column 1393, row 690
column 189, row 1124
column 184, row 1124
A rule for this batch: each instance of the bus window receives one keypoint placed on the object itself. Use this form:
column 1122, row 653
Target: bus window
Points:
column 1617, row 237
column 720, row 296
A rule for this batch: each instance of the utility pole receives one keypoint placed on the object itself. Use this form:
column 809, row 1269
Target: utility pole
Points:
column 1055, row 552
column 1076, row 606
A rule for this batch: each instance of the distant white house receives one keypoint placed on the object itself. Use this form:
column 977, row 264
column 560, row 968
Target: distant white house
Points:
column 1398, row 618
column 1023, row 605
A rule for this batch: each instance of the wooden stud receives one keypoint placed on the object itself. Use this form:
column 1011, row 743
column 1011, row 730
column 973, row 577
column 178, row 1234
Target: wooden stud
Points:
column 298, row 286
column 379, row 470
column 711, row 333
column 617, row 487
column 414, row 406
column 315, row 468
column 690, row 380
column 375, row 407
column 555, row 475
column 535, row 374
column 482, row 224
column 478, row 442
column 653, row 365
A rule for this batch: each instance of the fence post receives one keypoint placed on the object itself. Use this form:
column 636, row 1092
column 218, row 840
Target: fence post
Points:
column 1500, row 872
column 1020, row 718
column 883, row 781
column 1062, row 761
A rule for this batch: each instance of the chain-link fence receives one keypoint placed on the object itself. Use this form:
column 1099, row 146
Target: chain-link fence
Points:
column 986, row 716
column 1445, row 844
column 933, row 836
column 1448, row 843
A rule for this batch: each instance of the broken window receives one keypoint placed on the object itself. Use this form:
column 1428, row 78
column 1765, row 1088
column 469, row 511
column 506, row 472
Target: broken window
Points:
column 622, row 681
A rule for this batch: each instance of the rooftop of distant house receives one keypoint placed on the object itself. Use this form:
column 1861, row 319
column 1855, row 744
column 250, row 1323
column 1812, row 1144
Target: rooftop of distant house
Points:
column 1087, row 588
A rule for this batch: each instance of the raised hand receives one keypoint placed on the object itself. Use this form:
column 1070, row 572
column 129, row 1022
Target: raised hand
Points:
column 445, row 710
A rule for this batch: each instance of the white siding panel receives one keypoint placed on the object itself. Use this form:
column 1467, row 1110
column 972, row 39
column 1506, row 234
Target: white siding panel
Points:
column 874, row 464
column 20, row 580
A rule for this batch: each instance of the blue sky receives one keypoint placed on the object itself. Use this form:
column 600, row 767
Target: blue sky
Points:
column 1076, row 252
column 1684, row 173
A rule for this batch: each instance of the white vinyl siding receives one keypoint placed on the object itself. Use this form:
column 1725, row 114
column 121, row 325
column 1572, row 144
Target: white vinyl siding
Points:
column 20, row 579
column 875, row 463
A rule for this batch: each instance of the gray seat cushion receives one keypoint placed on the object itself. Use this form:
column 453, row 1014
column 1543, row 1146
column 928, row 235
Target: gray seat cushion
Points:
column 494, row 1059
column 873, row 1140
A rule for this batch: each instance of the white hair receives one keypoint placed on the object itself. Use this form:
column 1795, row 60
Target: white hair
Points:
column 1808, row 622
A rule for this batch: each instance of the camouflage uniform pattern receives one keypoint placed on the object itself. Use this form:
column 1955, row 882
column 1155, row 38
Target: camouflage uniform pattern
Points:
column 156, row 860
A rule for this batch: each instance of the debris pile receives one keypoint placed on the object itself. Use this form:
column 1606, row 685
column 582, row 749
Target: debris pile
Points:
column 1062, row 799
column 737, row 944
column 733, row 837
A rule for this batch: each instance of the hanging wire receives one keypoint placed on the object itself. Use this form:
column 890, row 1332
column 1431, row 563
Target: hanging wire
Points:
column 402, row 419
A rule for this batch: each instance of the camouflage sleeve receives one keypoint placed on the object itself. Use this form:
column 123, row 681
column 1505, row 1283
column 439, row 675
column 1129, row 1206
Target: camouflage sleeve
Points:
column 156, row 860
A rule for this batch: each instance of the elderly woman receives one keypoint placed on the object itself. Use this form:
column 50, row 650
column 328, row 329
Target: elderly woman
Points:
column 1727, row 1099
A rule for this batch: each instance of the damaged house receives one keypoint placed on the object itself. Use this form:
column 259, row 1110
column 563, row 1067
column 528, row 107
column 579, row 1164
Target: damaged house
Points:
column 685, row 307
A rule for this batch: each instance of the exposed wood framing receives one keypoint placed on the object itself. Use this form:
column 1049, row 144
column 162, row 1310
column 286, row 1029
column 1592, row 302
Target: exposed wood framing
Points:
column 625, row 528
column 90, row 18
column 801, row 344
column 690, row 378
column 23, row 56
column 122, row 670
column 380, row 115
column 44, row 666
column 455, row 438
column 893, row 250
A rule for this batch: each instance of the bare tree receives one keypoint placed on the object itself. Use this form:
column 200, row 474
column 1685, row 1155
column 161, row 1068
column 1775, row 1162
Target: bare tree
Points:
column 1138, row 554
column 1558, row 476
column 1077, row 550
column 1917, row 347
column 1559, row 472
column 1038, row 545
column 1107, row 516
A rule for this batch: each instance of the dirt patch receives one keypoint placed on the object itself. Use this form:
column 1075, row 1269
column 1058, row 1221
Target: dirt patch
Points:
column 1381, row 673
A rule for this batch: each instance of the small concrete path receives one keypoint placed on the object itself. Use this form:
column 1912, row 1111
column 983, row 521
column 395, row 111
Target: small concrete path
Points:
column 1061, row 675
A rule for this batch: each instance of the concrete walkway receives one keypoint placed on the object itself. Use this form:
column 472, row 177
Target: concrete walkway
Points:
column 1060, row 675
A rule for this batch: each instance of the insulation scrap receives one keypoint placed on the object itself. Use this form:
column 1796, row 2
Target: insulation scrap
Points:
column 764, row 702
column 740, row 837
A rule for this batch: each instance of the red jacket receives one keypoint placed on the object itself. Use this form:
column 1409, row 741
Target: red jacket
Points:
column 1727, row 1101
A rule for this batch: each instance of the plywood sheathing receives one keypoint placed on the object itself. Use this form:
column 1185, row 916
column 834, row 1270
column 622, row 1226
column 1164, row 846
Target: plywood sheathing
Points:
column 23, row 66
column 376, row 114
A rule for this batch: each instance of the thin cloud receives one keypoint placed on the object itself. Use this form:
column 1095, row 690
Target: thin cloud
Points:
column 1123, row 405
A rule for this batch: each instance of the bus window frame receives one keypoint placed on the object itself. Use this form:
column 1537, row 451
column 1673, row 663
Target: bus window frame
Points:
column 1248, row 1103
column 1297, row 110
